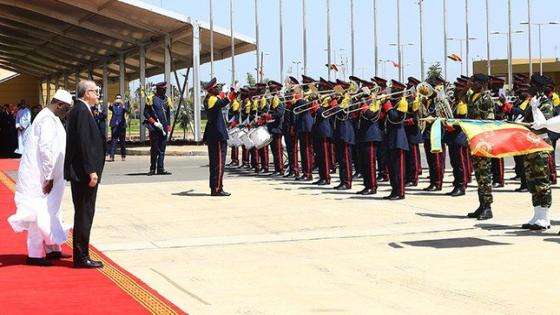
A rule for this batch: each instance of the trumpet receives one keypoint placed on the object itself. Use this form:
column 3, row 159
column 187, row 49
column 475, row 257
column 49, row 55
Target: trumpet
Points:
column 305, row 106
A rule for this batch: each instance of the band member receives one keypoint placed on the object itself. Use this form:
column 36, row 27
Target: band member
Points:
column 157, row 113
column 381, row 151
column 264, row 117
column 369, row 137
column 344, row 138
column 234, row 116
column 304, row 125
column 215, row 135
column 457, row 144
column 245, row 120
column 322, row 135
column 395, row 110
column 414, row 136
column 494, row 85
column 276, row 113
column 480, row 106
column 537, row 169
column 554, row 136
column 436, row 160
column 289, row 132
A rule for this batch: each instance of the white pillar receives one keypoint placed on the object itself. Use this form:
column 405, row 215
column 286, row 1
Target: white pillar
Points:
column 105, row 93
column 142, row 91
column 281, row 42
column 167, row 67
column 196, row 80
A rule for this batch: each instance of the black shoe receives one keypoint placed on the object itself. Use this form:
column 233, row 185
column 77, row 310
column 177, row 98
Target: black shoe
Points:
column 382, row 178
column 357, row 175
column 152, row 172
column 43, row 262
column 515, row 178
column 342, row 187
column 367, row 191
column 58, row 255
column 111, row 159
column 475, row 213
column 289, row 174
column 521, row 189
column 333, row 171
column 321, row 182
column 457, row 193
column 220, row 193
column 535, row 227
column 88, row 263
column 497, row 185
column 411, row 184
column 452, row 192
column 163, row 172
column 395, row 197
column 486, row 214
column 431, row 188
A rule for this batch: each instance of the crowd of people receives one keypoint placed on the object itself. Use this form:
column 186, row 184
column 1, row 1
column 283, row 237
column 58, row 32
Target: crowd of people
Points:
column 14, row 121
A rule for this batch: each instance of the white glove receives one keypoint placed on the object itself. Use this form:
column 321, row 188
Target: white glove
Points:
column 534, row 102
column 158, row 125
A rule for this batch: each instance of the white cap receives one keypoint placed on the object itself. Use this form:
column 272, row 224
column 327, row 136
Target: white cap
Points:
column 63, row 96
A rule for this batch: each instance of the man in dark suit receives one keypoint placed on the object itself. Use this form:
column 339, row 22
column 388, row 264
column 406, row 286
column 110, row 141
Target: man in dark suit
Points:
column 83, row 165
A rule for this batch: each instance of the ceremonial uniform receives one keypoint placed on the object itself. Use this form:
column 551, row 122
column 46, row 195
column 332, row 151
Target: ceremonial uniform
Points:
column 262, row 153
column 498, row 163
column 234, row 116
column 344, row 138
column 436, row 160
column 215, row 136
column 245, row 119
column 458, row 151
column 290, row 136
column 322, row 137
column 118, row 127
column 304, row 125
column 276, row 113
column 480, row 106
column 414, row 138
column 157, row 114
column 369, row 136
column 397, row 144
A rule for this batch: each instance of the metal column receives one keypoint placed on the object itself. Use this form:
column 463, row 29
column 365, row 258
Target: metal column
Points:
column 196, row 80
column 399, row 38
column 488, row 65
column 329, row 38
column 421, row 12
column 281, row 42
column 467, row 35
column 48, row 100
column 106, row 93
column 232, row 43
column 167, row 66
column 212, row 41
column 258, row 67
column 66, row 81
column 142, row 95
column 529, row 34
column 375, row 56
column 445, row 40
column 304, row 37
column 352, row 34
column 510, row 65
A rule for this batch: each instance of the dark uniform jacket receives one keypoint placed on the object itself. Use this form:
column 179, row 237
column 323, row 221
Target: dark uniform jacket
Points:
column 159, row 109
column 394, row 126
column 216, row 129
column 368, row 125
column 276, row 112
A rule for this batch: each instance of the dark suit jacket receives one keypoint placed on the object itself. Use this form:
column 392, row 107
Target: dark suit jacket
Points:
column 85, row 152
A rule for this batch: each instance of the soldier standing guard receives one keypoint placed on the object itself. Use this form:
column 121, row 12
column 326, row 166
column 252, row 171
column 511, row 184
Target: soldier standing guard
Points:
column 480, row 106
column 537, row 170
column 157, row 113
column 216, row 135
column 118, row 126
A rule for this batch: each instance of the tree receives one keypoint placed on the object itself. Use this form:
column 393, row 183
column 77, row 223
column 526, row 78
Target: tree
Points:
column 434, row 71
column 251, row 79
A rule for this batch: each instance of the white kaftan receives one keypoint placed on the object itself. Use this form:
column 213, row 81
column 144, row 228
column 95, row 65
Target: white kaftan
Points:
column 43, row 159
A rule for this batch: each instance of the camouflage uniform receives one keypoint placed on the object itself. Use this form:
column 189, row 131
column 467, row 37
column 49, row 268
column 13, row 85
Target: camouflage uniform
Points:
column 480, row 106
column 537, row 170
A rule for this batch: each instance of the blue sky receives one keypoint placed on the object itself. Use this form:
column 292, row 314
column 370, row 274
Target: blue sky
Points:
column 542, row 11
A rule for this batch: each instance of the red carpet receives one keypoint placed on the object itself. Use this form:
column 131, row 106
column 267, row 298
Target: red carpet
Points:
column 61, row 289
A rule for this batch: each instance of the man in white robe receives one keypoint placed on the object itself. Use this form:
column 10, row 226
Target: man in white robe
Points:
column 23, row 121
column 40, row 184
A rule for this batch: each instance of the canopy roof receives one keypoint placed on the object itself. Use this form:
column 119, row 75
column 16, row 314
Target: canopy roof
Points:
column 47, row 38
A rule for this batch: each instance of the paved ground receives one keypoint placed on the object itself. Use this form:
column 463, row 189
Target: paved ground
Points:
column 281, row 247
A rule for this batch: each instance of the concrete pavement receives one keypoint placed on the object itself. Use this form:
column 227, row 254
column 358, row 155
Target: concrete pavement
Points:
column 282, row 247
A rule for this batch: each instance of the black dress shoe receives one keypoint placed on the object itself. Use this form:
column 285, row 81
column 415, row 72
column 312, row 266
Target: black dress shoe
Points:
column 163, row 172
column 58, row 255
column 382, row 178
column 431, row 188
column 389, row 197
column 411, row 184
column 395, row 197
column 535, row 227
column 521, row 189
column 88, row 263
column 452, row 192
column 342, row 187
column 321, row 182
column 274, row 174
column 497, row 185
column 220, row 193
column 289, row 174
column 515, row 178
column 457, row 193
column 152, row 172
column 368, row 191
column 357, row 175
column 43, row 262
column 486, row 214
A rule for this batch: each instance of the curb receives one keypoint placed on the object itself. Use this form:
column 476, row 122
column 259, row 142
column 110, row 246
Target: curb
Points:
column 167, row 153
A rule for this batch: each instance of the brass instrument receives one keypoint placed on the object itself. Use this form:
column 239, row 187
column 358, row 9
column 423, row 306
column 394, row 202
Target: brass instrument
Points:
column 305, row 106
column 442, row 105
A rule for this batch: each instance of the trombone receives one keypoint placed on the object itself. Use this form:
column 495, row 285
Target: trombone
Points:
column 305, row 106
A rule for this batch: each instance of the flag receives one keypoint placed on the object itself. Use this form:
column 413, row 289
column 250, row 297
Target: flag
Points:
column 395, row 64
column 332, row 67
column 435, row 136
column 454, row 57
column 496, row 139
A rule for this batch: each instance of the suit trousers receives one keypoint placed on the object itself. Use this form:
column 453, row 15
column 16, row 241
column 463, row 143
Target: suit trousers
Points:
column 322, row 149
column 344, row 159
column 498, row 170
column 84, row 198
column 436, row 164
column 118, row 134
column 277, row 155
column 413, row 164
column 397, row 171
column 367, row 158
column 459, row 163
column 292, row 149
column 157, row 150
column 217, row 154
column 305, row 152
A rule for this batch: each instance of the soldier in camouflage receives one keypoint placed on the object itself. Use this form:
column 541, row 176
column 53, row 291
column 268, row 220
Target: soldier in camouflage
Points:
column 537, row 170
column 480, row 106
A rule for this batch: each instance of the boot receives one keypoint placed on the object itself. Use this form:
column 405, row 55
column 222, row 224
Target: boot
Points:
column 531, row 222
column 476, row 212
column 486, row 213
column 543, row 221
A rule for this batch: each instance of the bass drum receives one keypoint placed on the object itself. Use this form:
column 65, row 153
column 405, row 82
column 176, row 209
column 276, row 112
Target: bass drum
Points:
column 261, row 137
column 246, row 139
column 234, row 139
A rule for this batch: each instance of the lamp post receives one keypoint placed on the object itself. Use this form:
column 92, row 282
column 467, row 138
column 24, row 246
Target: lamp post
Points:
column 510, row 65
column 297, row 63
column 540, row 46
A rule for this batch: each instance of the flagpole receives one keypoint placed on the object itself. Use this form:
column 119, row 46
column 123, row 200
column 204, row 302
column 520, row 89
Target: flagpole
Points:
column 399, row 38
column 445, row 39
column 375, row 37
column 420, row 7
column 259, row 77
column 352, row 33
column 304, row 38
column 329, row 38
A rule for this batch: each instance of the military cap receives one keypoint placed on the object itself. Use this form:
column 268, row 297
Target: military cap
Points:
column 355, row 79
column 274, row 85
column 306, row 79
column 324, row 84
column 540, row 80
column 293, row 80
column 380, row 81
column 344, row 84
column 162, row 84
column 396, row 85
column 210, row 85
column 413, row 81
column 480, row 77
